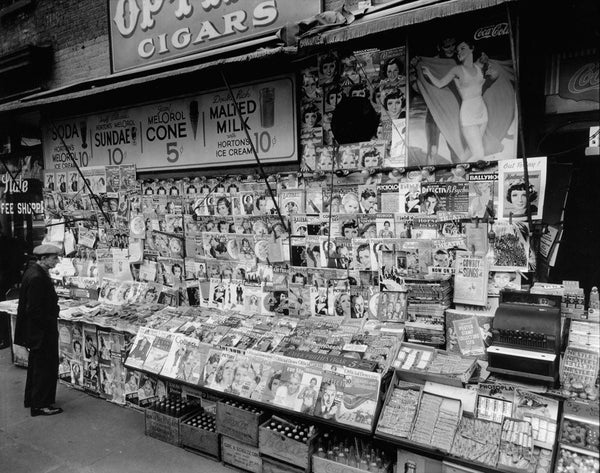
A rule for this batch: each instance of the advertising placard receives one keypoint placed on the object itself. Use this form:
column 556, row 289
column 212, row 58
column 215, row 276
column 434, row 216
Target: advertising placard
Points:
column 144, row 32
column 190, row 132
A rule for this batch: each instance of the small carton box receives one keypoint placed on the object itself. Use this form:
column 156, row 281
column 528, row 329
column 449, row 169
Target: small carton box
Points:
column 197, row 431
column 294, row 448
column 239, row 421
column 240, row 455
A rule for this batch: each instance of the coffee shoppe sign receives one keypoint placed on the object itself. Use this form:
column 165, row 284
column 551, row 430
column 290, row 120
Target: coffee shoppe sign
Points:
column 149, row 31
column 189, row 132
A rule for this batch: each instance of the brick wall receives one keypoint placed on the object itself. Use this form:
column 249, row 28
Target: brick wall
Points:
column 77, row 31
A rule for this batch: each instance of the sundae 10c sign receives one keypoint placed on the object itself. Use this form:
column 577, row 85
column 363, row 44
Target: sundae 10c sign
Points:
column 149, row 31
column 187, row 132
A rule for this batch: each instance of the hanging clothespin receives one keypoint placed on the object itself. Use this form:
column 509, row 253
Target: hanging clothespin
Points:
column 476, row 222
column 510, row 216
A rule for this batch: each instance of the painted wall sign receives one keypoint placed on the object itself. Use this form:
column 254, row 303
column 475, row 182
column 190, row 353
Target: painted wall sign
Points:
column 191, row 132
column 144, row 32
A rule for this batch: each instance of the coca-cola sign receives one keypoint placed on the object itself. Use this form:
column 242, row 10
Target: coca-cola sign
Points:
column 578, row 78
column 584, row 79
column 491, row 31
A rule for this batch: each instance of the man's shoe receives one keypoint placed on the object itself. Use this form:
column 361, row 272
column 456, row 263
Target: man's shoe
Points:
column 45, row 411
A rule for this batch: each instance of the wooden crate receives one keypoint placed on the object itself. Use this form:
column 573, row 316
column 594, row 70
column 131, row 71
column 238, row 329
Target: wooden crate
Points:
column 270, row 465
column 240, row 455
column 277, row 445
column 323, row 465
column 239, row 423
column 200, row 440
column 162, row 426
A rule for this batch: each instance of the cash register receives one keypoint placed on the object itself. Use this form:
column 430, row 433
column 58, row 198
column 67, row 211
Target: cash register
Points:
column 526, row 336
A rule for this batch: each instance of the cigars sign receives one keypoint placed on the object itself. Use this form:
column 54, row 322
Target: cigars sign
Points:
column 148, row 31
column 191, row 132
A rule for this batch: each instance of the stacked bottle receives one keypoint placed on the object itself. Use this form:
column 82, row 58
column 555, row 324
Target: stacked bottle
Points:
column 354, row 452
column 172, row 407
column 299, row 432
column 241, row 405
column 203, row 421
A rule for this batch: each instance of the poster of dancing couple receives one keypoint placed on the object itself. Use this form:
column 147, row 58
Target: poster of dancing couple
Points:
column 463, row 103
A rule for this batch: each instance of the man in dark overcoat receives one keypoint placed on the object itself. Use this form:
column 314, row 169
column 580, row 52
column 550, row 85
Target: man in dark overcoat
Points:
column 36, row 329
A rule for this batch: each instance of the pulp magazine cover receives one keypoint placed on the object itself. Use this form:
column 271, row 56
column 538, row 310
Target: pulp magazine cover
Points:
column 359, row 400
column 331, row 392
column 445, row 197
column 158, row 352
column 140, row 347
column 470, row 279
column 512, row 190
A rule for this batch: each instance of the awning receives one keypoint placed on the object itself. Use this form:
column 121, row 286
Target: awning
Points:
column 110, row 83
column 406, row 14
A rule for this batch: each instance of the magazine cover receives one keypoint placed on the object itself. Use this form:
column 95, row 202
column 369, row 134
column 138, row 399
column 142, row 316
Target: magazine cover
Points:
column 445, row 197
column 77, row 372
column 132, row 386
column 410, row 197
column 291, row 201
column 331, row 392
column 320, row 304
column 392, row 306
column 512, row 189
column 388, row 195
column 368, row 199
column 287, row 393
column 158, row 352
column 510, row 247
column 371, row 154
column 359, row 400
column 470, row 279
column 471, row 341
column 65, row 338
column 499, row 280
column 483, row 193
column 445, row 128
column 90, row 342
column 362, row 257
column 348, row 157
column 224, row 374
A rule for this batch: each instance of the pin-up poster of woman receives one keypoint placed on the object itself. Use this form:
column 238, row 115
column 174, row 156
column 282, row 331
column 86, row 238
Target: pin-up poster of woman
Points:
column 463, row 102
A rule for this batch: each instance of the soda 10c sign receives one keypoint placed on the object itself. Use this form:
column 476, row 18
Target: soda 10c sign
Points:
column 191, row 132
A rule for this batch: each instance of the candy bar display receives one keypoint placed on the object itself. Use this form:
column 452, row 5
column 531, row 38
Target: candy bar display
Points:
column 436, row 422
column 427, row 363
column 516, row 445
column 477, row 440
column 399, row 412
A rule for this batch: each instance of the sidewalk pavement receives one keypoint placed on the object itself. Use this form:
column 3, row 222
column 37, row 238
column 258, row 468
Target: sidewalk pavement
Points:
column 90, row 436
